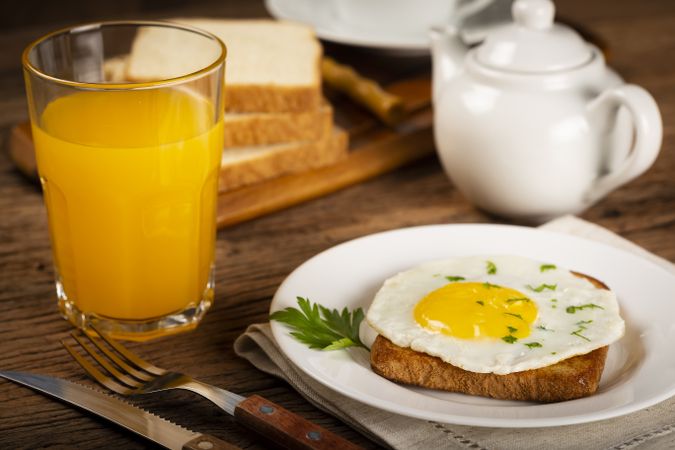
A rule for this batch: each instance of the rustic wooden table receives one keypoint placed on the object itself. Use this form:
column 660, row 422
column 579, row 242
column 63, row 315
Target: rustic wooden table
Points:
column 254, row 257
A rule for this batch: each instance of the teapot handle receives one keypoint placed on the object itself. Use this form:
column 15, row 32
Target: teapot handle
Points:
column 648, row 128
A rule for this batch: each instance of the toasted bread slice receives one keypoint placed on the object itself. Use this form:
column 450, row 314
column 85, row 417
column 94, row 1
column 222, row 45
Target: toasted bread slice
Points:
column 572, row 378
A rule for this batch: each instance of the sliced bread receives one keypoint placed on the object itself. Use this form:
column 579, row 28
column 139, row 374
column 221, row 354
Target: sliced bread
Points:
column 249, row 129
column 248, row 165
column 252, row 129
column 271, row 66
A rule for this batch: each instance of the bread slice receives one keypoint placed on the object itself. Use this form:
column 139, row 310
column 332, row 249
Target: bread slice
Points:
column 252, row 129
column 571, row 378
column 249, row 165
column 271, row 66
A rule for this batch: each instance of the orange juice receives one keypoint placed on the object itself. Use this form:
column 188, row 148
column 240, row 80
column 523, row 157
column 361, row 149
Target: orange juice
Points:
column 130, row 184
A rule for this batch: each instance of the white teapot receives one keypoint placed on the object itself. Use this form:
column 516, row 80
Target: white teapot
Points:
column 532, row 124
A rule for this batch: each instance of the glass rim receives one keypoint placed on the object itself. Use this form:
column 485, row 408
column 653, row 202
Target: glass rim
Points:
column 29, row 67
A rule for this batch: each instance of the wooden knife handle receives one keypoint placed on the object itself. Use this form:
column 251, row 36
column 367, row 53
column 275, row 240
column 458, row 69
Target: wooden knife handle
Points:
column 206, row 442
column 286, row 429
column 387, row 107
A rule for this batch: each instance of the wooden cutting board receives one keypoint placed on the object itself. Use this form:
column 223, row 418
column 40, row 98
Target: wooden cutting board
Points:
column 374, row 150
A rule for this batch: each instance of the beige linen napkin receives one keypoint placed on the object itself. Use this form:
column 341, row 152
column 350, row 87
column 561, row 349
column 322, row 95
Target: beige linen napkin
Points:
column 651, row 428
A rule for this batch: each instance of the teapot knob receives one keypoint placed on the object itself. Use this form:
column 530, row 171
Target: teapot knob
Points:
column 533, row 14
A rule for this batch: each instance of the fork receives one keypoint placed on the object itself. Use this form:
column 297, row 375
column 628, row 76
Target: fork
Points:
column 129, row 374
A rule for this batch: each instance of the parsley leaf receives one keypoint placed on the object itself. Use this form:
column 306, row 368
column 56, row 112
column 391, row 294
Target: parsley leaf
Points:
column 320, row 327
column 573, row 309
column 532, row 345
column 582, row 326
column 541, row 287
column 491, row 268
column 514, row 315
column 509, row 339
column 545, row 267
column 578, row 334
column 455, row 278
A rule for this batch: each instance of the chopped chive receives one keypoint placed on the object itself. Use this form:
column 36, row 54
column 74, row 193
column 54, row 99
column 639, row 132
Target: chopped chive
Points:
column 511, row 329
column 487, row 285
column 517, row 299
column 480, row 302
column 509, row 339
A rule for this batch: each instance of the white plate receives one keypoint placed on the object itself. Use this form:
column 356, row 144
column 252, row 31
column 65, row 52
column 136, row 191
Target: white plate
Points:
column 640, row 368
column 328, row 26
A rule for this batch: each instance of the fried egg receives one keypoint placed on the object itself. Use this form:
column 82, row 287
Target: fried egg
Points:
column 495, row 314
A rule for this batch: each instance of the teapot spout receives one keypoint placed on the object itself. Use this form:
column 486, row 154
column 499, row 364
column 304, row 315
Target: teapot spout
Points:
column 447, row 55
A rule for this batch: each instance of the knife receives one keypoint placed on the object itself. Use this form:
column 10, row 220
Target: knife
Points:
column 148, row 425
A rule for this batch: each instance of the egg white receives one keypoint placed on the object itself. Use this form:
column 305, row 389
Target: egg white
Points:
column 391, row 314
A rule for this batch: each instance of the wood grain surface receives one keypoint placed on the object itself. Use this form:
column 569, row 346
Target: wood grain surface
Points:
column 254, row 257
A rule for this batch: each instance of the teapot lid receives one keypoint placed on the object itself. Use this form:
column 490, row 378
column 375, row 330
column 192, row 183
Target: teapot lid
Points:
column 533, row 43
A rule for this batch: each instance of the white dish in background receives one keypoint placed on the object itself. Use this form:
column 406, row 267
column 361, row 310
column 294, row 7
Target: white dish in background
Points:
column 640, row 368
column 330, row 27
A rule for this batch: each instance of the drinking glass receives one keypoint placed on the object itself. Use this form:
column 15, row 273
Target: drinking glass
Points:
column 127, row 121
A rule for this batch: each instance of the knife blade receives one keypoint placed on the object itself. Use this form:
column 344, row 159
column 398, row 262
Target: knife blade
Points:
column 133, row 418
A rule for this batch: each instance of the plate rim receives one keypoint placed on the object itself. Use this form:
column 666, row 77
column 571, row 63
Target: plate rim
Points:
column 385, row 42
column 278, row 330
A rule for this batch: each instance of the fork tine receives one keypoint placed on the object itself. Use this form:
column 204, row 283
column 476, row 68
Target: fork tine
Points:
column 96, row 374
column 128, row 354
column 129, row 381
column 133, row 371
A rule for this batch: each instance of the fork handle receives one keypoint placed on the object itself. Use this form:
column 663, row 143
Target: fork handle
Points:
column 286, row 429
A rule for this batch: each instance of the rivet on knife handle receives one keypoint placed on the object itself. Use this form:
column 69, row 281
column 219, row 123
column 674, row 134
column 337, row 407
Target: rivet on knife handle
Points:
column 285, row 428
column 206, row 442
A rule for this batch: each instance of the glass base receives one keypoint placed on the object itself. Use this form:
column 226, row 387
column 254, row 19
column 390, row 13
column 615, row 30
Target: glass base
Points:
column 138, row 330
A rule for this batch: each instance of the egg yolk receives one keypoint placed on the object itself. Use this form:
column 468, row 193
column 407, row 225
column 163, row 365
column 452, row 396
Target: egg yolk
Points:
column 477, row 310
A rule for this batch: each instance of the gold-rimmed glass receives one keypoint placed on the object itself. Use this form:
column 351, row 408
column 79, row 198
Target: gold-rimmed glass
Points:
column 128, row 160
